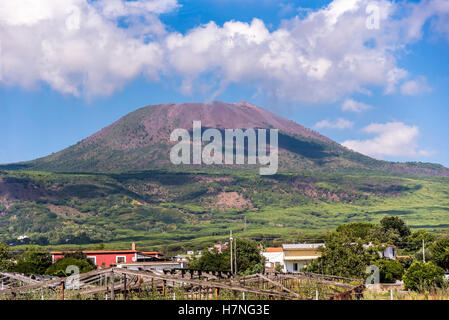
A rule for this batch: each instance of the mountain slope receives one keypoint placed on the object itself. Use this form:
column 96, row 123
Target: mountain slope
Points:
column 119, row 186
column 140, row 141
column 184, row 209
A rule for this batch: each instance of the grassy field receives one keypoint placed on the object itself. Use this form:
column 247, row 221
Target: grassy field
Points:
column 435, row 294
column 173, row 211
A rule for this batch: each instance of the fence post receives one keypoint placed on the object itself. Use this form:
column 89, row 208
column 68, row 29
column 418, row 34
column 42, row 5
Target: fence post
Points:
column 112, row 286
column 140, row 287
column 125, row 292
column 62, row 290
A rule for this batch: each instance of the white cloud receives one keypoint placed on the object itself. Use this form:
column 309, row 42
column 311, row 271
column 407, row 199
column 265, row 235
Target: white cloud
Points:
column 340, row 123
column 354, row 106
column 415, row 87
column 74, row 47
column 393, row 139
column 310, row 59
column 80, row 47
column 119, row 8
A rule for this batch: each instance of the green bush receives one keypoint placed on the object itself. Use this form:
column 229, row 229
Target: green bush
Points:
column 33, row 261
column 249, row 259
column 390, row 270
column 406, row 262
column 343, row 258
column 5, row 262
column 59, row 268
column 421, row 276
column 414, row 241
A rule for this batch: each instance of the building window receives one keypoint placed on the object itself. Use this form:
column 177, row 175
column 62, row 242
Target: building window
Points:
column 120, row 259
column 295, row 266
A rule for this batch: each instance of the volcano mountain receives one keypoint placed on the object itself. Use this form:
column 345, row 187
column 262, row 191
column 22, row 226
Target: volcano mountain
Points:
column 119, row 186
column 141, row 141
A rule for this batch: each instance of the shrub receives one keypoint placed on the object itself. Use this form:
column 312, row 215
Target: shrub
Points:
column 343, row 258
column 33, row 261
column 414, row 241
column 5, row 262
column 59, row 268
column 249, row 259
column 390, row 270
column 406, row 262
column 421, row 276
column 440, row 253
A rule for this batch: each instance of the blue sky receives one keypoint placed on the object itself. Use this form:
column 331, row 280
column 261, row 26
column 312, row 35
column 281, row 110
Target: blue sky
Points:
column 67, row 73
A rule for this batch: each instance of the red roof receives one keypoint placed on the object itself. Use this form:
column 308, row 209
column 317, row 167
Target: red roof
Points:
column 151, row 252
column 97, row 251
column 151, row 262
column 274, row 250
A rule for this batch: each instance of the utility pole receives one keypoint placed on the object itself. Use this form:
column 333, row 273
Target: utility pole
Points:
column 230, row 244
column 235, row 256
column 423, row 252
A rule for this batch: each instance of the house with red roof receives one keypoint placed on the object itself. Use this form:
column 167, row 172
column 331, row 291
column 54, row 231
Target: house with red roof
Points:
column 107, row 258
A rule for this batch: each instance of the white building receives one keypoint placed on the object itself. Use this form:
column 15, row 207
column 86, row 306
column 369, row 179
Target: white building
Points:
column 273, row 257
column 297, row 256
column 292, row 257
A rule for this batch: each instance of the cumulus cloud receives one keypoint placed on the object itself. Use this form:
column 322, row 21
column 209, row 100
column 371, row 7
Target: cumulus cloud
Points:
column 415, row 87
column 393, row 139
column 340, row 123
column 310, row 59
column 96, row 47
column 355, row 106
column 76, row 46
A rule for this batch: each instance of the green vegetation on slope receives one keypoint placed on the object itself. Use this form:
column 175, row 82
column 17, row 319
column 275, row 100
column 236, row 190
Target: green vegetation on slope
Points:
column 175, row 210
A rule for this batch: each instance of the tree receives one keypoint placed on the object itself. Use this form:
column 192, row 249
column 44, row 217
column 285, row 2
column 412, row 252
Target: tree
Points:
column 59, row 268
column 356, row 230
column 406, row 262
column 249, row 259
column 33, row 261
column 79, row 255
column 440, row 253
column 344, row 258
column 211, row 260
column 380, row 235
column 5, row 261
column 421, row 276
column 279, row 268
column 414, row 241
column 396, row 224
column 390, row 270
